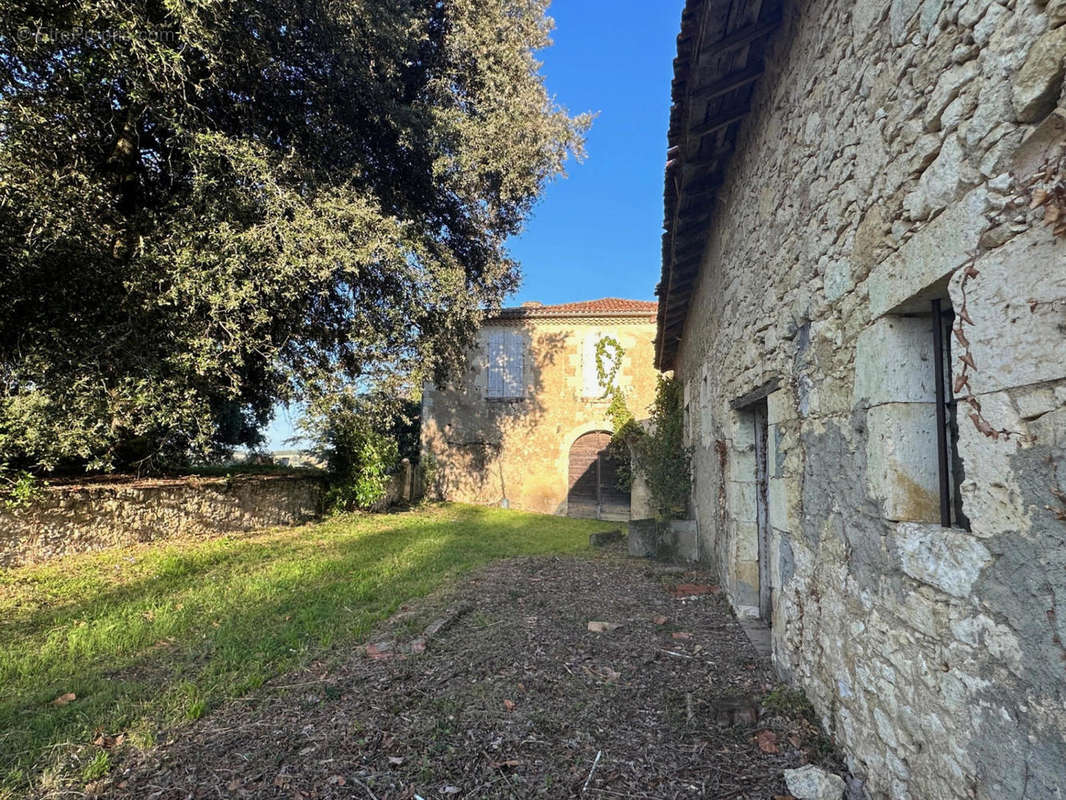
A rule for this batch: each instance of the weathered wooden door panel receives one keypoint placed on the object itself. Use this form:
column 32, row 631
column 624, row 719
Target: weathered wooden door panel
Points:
column 593, row 479
column 762, row 508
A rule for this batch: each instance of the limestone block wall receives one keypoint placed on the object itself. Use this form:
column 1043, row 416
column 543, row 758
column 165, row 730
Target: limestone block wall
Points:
column 517, row 451
column 94, row 515
column 881, row 166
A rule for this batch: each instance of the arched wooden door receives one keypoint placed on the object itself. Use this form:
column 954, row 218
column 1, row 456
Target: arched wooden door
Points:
column 593, row 480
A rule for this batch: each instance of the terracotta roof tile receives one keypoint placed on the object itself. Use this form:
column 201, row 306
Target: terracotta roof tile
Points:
column 605, row 306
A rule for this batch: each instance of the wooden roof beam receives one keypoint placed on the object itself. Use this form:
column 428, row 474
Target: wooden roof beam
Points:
column 695, row 216
column 691, row 251
column 702, row 187
column 699, row 195
column 700, row 163
column 728, row 84
column 739, row 38
column 720, row 121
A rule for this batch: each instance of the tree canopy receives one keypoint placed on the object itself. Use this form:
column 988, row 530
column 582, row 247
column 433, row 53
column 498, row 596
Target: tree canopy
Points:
column 211, row 206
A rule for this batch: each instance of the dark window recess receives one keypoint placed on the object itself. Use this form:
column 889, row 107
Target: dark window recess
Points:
column 949, row 465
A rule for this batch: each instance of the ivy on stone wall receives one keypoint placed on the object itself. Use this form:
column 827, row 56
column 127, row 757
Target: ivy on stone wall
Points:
column 656, row 450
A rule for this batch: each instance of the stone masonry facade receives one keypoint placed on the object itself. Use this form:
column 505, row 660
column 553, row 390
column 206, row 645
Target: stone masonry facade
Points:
column 93, row 515
column 889, row 158
column 515, row 451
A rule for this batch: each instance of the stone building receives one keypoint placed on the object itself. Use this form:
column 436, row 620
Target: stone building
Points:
column 864, row 295
column 526, row 425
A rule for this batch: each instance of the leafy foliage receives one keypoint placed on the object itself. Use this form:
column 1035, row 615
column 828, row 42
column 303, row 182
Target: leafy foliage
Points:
column 360, row 437
column 18, row 489
column 609, row 354
column 661, row 455
column 657, row 452
column 207, row 208
column 369, row 458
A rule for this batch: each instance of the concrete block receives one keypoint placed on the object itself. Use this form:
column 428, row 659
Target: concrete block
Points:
column 740, row 500
column 742, row 431
column 786, row 503
column 991, row 495
column 901, row 470
column 747, row 534
column 747, row 583
column 894, row 362
column 774, row 455
column 604, row 538
column 643, row 538
column 686, row 542
column 780, row 406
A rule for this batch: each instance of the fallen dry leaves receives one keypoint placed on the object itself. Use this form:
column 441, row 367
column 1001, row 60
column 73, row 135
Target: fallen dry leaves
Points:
column 514, row 698
column 695, row 590
column 767, row 741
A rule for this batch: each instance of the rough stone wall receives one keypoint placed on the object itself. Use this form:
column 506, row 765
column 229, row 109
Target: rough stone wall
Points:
column 78, row 518
column 490, row 451
column 876, row 162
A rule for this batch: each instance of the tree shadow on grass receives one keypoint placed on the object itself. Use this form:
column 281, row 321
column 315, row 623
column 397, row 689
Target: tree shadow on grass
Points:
column 215, row 624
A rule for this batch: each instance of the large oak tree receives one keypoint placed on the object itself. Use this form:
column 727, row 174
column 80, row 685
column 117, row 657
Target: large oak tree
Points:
column 208, row 206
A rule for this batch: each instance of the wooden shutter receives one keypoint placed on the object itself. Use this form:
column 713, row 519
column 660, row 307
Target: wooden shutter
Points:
column 514, row 366
column 506, row 365
column 495, row 385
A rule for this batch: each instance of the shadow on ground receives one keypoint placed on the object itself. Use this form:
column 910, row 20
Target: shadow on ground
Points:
column 516, row 698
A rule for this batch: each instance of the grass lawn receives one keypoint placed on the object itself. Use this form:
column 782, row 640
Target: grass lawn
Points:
column 152, row 635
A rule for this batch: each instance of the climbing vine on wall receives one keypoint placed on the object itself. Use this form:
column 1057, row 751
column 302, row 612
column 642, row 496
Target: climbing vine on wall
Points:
column 1044, row 189
column 658, row 451
column 609, row 353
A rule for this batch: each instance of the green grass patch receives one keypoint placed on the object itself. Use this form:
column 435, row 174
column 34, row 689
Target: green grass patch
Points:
column 150, row 636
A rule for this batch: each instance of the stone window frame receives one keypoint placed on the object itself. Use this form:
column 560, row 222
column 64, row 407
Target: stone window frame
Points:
column 895, row 386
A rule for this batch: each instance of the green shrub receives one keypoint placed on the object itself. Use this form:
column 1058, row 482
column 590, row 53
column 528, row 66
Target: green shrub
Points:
column 356, row 436
column 661, row 455
column 360, row 469
column 656, row 451
column 18, row 489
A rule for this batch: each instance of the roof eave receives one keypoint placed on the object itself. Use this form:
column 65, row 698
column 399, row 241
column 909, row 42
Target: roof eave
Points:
column 719, row 61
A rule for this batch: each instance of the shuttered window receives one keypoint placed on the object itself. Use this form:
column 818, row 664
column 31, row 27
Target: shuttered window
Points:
column 506, row 364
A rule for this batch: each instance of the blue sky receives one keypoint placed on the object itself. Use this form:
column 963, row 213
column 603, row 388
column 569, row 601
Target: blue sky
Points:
column 596, row 233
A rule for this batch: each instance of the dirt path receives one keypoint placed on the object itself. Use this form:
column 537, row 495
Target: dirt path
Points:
column 515, row 697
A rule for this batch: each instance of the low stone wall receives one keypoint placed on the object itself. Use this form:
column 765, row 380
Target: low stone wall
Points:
column 93, row 515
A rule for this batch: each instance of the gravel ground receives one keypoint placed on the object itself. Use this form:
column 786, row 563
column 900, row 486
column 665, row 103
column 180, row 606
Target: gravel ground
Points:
column 499, row 689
